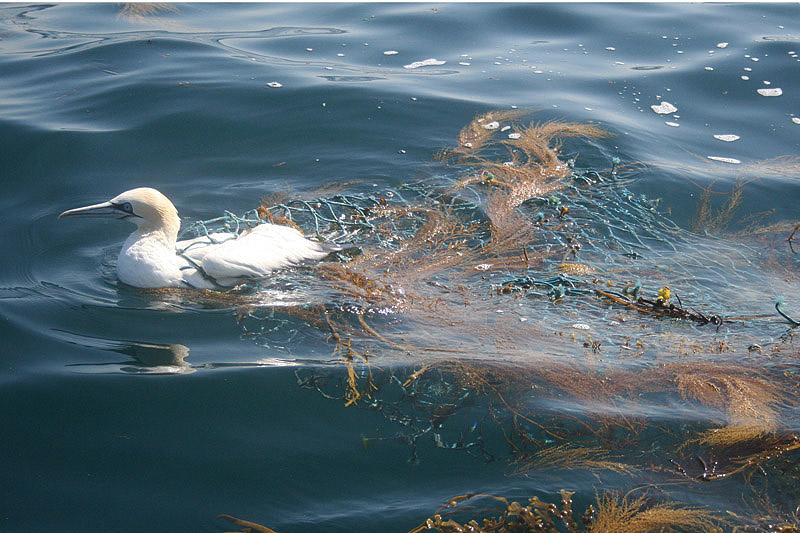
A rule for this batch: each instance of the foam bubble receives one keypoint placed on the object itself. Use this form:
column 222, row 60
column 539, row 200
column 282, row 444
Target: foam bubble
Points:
column 424, row 63
column 664, row 108
column 727, row 138
column 775, row 91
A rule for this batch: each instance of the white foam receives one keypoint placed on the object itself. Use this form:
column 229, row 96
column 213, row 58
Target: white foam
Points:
column 727, row 138
column 722, row 45
column 673, row 124
column 664, row 108
column 492, row 125
column 274, row 84
column 391, row 53
column 796, row 120
column 724, row 159
column 775, row 91
column 425, row 63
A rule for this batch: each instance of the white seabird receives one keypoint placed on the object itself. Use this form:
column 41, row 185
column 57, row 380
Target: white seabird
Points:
column 152, row 256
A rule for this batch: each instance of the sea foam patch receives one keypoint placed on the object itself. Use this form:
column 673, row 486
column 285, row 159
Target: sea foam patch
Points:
column 664, row 108
column 432, row 62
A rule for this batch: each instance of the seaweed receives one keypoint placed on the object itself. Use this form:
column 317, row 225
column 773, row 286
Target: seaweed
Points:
column 247, row 527
column 460, row 275
column 611, row 514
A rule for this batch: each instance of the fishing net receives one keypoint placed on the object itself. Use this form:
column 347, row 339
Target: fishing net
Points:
column 525, row 309
column 508, row 215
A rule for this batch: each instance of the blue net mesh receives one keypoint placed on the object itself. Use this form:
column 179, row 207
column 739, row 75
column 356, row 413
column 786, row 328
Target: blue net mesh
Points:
column 551, row 317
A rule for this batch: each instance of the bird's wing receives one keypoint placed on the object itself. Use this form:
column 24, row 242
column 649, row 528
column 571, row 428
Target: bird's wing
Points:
column 253, row 254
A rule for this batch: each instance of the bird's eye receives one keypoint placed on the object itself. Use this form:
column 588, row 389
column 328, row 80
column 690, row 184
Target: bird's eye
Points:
column 127, row 207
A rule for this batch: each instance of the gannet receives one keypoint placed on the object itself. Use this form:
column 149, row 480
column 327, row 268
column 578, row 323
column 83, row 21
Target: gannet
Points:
column 152, row 256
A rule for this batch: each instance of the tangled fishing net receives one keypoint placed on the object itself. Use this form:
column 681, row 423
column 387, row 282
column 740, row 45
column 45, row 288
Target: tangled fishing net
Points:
column 524, row 309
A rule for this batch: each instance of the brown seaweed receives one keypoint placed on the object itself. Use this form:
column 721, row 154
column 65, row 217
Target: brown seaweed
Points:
column 463, row 354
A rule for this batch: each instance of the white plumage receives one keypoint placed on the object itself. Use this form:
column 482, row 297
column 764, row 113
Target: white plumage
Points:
column 150, row 256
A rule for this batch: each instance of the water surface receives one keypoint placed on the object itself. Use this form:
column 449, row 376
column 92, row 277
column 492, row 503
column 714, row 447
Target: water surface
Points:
column 141, row 411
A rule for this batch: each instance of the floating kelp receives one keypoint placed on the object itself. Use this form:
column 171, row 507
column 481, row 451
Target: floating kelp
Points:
column 247, row 527
column 524, row 310
column 612, row 514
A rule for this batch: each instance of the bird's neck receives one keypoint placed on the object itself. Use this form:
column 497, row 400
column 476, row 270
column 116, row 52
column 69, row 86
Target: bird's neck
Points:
column 164, row 231
column 148, row 257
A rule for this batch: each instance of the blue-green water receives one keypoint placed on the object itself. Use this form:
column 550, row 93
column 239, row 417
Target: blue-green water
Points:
column 134, row 411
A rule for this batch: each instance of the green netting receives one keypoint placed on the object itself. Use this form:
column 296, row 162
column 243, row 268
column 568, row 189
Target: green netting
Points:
column 595, row 220
column 553, row 319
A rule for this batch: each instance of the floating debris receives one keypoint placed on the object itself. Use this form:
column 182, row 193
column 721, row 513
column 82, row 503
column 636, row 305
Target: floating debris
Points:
column 610, row 48
column 794, row 119
column 576, row 269
column 727, row 138
column 518, row 135
column 391, row 53
column 492, row 125
column 432, row 62
column 610, row 512
column 542, row 214
column 661, row 306
column 274, row 84
column 776, row 91
column 722, row 45
column 664, row 108
column 673, row 124
column 724, row 159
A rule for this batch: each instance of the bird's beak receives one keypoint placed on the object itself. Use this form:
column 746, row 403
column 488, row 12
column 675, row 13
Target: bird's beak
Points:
column 104, row 210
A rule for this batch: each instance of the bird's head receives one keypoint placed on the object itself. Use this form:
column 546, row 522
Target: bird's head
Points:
column 145, row 207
